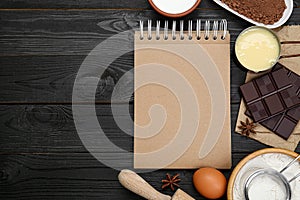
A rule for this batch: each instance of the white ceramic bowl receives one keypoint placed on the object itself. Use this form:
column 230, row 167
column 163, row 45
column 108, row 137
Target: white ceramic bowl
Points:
column 286, row 15
column 174, row 8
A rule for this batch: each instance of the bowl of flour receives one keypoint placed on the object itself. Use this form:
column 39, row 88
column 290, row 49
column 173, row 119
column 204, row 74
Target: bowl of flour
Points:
column 265, row 189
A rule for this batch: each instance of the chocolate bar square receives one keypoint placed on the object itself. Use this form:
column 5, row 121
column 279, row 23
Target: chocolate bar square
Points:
column 281, row 78
column 290, row 97
column 285, row 127
column 274, row 104
column 251, row 93
column 265, row 85
column 258, row 110
column 294, row 113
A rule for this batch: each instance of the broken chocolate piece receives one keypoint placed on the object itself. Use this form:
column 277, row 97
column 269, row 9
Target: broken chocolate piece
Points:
column 284, row 124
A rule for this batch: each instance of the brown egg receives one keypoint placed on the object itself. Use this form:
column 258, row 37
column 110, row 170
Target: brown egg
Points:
column 210, row 182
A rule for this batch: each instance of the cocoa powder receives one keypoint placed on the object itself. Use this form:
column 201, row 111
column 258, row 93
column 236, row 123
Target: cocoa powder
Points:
column 263, row 11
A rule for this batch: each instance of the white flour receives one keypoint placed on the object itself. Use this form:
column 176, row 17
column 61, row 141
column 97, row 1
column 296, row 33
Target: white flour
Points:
column 174, row 6
column 276, row 161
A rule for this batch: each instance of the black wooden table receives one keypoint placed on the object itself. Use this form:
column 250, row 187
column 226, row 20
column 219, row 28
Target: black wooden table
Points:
column 43, row 44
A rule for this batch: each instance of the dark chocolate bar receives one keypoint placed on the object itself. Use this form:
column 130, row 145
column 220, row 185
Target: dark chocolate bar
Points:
column 284, row 124
column 271, row 94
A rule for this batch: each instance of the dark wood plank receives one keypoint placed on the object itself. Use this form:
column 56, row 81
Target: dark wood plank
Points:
column 68, row 32
column 69, row 4
column 42, row 49
column 76, row 175
column 112, row 4
column 50, row 79
column 50, row 128
column 91, row 4
column 42, row 45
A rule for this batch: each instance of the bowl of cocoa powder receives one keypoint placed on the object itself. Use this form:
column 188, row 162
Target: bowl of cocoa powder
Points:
column 267, row 13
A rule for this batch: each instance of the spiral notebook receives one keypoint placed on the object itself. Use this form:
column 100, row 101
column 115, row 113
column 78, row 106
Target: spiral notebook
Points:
column 182, row 95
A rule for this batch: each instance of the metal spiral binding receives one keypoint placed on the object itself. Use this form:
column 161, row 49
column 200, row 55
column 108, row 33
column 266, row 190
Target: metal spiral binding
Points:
column 174, row 30
column 181, row 35
column 141, row 30
column 206, row 29
column 216, row 29
column 157, row 29
column 149, row 29
column 198, row 29
column 223, row 27
column 190, row 30
column 166, row 30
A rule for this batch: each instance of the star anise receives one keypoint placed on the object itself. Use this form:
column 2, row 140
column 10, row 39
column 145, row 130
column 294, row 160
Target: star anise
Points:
column 170, row 181
column 247, row 127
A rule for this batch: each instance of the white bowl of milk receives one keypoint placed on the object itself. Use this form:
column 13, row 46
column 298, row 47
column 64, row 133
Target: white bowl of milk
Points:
column 174, row 8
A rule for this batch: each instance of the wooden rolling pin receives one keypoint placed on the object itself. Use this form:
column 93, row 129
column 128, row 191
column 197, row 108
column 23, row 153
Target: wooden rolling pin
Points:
column 139, row 186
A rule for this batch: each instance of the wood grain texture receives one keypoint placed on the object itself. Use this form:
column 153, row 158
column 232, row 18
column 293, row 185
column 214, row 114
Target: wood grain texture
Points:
column 50, row 79
column 93, row 4
column 76, row 175
column 90, row 4
column 47, row 57
column 50, row 128
column 42, row 45
column 65, row 32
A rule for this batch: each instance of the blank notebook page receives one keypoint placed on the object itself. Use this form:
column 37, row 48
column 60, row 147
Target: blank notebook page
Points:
column 182, row 102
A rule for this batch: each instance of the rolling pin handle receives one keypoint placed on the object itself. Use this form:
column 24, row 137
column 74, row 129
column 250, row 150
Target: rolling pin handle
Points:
column 138, row 185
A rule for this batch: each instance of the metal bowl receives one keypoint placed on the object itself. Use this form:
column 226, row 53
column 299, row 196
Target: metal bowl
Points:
column 270, row 31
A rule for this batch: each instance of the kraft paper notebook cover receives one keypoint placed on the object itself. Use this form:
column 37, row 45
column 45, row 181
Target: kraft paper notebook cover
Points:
column 182, row 96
